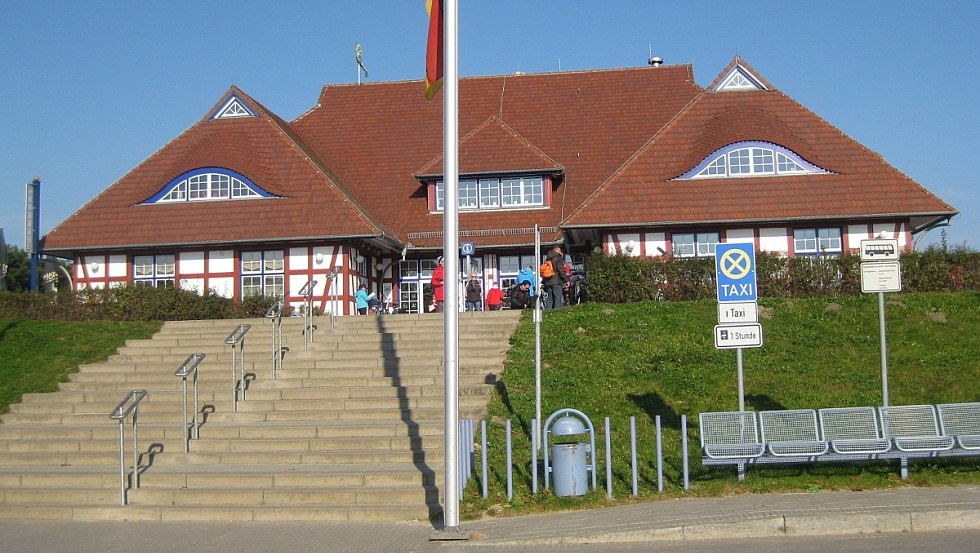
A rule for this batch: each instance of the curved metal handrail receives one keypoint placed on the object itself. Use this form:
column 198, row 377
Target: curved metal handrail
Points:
column 275, row 314
column 237, row 341
column 132, row 399
column 188, row 368
column 238, row 334
column 129, row 405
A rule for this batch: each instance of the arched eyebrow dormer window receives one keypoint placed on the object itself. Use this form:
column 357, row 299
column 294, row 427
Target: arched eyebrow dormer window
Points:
column 208, row 184
column 751, row 159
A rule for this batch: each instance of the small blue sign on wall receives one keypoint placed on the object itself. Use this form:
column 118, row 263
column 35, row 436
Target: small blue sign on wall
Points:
column 735, row 266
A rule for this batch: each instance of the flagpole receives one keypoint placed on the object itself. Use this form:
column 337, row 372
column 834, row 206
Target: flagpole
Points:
column 450, row 247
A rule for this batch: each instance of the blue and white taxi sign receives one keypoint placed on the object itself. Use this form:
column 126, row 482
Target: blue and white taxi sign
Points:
column 735, row 265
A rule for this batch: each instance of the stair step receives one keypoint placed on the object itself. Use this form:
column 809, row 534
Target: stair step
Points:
column 349, row 428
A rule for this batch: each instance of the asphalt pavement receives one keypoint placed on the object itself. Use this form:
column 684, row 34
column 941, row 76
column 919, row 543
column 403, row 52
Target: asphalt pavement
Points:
column 903, row 511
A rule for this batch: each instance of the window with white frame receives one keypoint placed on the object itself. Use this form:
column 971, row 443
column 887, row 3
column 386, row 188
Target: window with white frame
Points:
column 209, row 184
column 408, row 269
column 495, row 193
column 817, row 240
column 694, row 244
column 751, row 159
column 158, row 271
column 263, row 273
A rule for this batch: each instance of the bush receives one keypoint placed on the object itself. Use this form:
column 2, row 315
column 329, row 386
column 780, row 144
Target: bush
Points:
column 624, row 279
column 128, row 303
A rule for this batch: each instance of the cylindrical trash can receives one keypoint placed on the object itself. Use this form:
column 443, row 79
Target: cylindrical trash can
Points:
column 568, row 469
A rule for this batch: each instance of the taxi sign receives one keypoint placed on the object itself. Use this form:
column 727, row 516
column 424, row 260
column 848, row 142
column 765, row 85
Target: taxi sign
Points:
column 738, row 336
column 735, row 267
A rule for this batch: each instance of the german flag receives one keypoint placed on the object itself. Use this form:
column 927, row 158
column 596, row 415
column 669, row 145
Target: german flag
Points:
column 434, row 49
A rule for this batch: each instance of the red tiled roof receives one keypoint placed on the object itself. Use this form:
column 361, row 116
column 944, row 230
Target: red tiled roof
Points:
column 375, row 137
column 860, row 183
column 494, row 148
column 350, row 166
column 262, row 148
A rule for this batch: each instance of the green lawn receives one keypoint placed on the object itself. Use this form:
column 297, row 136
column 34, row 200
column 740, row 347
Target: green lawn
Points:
column 650, row 359
column 36, row 355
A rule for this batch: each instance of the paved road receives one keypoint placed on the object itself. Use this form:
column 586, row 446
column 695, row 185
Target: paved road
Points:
column 896, row 520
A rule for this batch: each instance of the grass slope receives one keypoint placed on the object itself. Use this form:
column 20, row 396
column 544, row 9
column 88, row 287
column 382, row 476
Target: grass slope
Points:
column 650, row 359
column 36, row 355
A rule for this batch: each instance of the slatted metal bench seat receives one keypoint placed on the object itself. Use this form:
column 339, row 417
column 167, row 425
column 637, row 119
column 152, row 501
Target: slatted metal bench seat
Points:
column 792, row 433
column 853, row 431
column 730, row 438
column 730, row 435
column 961, row 421
column 840, row 434
column 914, row 428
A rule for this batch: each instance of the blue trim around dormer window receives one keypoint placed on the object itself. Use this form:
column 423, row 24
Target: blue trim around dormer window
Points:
column 209, row 184
column 751, row 159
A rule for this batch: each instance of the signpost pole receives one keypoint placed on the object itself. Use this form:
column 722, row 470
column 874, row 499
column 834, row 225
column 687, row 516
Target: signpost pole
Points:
column 881, row 272
column 741, row 382
column 884, row 349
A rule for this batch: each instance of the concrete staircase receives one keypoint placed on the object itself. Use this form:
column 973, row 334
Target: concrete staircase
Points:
column 350, row 428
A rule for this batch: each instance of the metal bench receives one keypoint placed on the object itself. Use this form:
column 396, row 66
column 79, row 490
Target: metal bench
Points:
column 962, row 422
column 853, row 431
column 730, row 437
column 792, row 433
column 914, row 428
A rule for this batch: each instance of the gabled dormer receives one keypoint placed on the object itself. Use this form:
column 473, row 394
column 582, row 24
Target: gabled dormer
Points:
column 498, row 168
column 738, row 76
column 233, row 107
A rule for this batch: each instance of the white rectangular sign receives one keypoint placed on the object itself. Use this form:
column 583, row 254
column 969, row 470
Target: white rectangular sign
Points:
column 879, row 250
column 881, row 277
column 740, row 312
column 738, row 336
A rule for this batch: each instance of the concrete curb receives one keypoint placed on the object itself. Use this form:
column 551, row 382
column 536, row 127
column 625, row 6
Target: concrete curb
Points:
column 835, row 524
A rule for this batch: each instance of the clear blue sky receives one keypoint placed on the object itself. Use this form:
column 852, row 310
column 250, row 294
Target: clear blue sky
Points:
column 88, row 90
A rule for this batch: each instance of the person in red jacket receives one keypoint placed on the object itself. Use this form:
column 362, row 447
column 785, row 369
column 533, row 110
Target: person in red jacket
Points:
column 495, row 297
column 438, row 285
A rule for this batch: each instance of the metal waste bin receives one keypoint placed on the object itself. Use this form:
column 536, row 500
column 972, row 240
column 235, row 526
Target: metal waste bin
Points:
column 569, row 461
column 570, row 469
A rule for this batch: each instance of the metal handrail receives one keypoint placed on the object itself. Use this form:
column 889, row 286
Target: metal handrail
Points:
column 237, row 341
column 275, row 314
column 309, row 319
column 189, row 367
column 129, row 405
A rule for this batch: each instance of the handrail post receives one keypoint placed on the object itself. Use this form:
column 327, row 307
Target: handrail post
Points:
column 309, row 325
column 275, row 315
column 129, row 404
column 189, row 366
column 237, row 340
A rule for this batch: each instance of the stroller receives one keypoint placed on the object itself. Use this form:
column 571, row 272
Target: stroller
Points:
column 384, row 306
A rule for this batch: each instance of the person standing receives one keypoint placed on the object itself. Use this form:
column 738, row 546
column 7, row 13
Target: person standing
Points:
column 556, row 283
column 439, row 285
column 474, row 294
column 361, row 299
column 495, row 297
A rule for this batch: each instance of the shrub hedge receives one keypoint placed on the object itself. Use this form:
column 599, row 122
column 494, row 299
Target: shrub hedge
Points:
column 621, row 279
column 129, row 303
